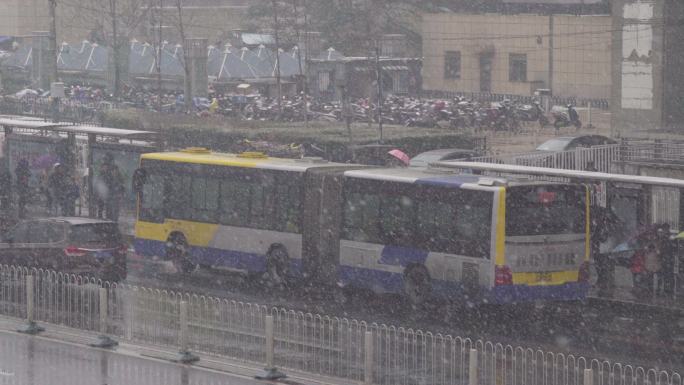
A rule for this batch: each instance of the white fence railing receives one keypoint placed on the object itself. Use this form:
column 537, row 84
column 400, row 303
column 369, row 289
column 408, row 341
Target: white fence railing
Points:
column 598, row 158
column 337, row 347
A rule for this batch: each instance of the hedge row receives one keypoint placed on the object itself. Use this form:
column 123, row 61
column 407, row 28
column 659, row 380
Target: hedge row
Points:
column 223, row 134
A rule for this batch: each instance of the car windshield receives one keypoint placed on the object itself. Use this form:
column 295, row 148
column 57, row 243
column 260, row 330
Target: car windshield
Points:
column 558, row 144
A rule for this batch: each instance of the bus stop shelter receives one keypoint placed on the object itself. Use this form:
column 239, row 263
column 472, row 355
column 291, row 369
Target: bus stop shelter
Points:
column 79, row 147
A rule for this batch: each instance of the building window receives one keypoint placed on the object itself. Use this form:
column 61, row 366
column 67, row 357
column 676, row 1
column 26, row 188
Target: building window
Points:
column 517, row 65
column 324, row 81
column 452, row 65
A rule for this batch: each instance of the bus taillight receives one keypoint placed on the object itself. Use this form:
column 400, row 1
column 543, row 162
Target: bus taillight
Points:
column 584, row 272
column 503, row 275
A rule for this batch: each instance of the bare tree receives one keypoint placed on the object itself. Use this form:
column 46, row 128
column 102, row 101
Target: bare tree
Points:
column 108, row 22
column 179, row 20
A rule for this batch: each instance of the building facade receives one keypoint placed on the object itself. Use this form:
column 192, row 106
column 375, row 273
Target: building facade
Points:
column 90, row 19
column 518, row 53
column 21, row 17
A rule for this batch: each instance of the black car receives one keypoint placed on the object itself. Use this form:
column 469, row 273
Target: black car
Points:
column 85, row 246
column 425, row 158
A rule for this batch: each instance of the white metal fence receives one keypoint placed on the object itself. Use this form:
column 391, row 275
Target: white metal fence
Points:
column 330, row 346
column 581, row 158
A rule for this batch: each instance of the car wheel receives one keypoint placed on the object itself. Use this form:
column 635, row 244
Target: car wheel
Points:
column 177, row 251
column 277, row 266
column 417, row 286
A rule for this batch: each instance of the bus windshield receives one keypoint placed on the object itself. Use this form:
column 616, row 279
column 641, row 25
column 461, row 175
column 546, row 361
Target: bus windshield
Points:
column 545, row 210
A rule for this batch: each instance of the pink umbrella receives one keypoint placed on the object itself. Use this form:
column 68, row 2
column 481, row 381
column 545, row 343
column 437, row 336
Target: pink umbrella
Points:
column 401, row 156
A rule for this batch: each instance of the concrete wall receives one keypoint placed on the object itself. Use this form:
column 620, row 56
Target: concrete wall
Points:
column 21, row 17
column 581, row 53
column 637, row 65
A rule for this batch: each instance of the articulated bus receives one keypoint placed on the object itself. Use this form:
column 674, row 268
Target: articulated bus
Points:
column 415, row 232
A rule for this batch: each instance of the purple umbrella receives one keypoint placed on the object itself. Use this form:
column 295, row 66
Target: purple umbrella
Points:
column 44, row 161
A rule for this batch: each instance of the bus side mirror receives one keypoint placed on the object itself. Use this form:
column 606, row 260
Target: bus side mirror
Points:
column 139, row 180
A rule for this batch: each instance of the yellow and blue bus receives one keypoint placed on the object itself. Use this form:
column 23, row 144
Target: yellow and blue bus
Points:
column 420, row 232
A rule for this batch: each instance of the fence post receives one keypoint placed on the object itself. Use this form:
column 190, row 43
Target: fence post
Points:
column 184, row 355
column 103, row 340
column 588, row 377
column 368, row 362
column 472, row 367
column 271, row 373
column 31, row 327
column 589, row 111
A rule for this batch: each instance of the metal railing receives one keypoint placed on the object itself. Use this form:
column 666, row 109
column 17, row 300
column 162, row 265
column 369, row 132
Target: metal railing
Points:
column 652, row 151
column 603, row 104
column 330, row 346
column 65, row 111
column 581, row 158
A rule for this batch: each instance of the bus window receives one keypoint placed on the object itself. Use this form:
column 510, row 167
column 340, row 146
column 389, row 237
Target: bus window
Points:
column 288, row 205
column 235, row 203
column 435, row 229
column 204, row 199
column 473, row 228
column 152, row 203
column 397, row 220
column 361, row 214
column 178, row 197
column 454, row 222
column 545, row 210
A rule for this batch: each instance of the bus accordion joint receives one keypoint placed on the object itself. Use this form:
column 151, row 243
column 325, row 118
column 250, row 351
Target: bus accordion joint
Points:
column 252, row 155
column 502, row 275
column 196, row 150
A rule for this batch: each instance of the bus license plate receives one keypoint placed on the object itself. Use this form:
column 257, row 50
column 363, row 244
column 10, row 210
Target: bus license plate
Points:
column 543, row 277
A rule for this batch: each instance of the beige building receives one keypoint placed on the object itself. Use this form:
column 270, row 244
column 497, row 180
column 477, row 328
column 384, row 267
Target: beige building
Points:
column 516, row 54
column 82, row 19
column 21, row 17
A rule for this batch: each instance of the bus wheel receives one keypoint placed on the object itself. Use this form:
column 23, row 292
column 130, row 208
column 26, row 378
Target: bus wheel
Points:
column 417, row 286
column 177, row 252
column 277, row 265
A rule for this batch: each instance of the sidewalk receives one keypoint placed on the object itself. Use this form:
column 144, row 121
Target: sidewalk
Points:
column 62, row 356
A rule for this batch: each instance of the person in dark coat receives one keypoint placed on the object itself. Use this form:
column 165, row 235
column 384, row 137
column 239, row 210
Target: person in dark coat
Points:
column 22, row 173
column 5, row 187
column 58, row 184
column 666, row 248
column 114, row 186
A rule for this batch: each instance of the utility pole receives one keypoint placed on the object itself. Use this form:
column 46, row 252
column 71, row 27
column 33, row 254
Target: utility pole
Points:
column 302, row 77
column 159, row 59
column 115, row 48
column 52, row 49
column 378, row 70
column 277, row 53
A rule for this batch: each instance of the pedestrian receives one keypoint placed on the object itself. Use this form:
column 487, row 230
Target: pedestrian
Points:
column 666, row 248
column 653, row 266
column 57, row 185
column 22, row 173
column 100, row 190
column 113, row 181
column 45, row 190
column 5, row 188
column 71, row 194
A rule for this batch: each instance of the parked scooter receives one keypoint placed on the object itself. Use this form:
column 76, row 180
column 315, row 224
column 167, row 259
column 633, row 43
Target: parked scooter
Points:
column 566, row 119
column 533, row 113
